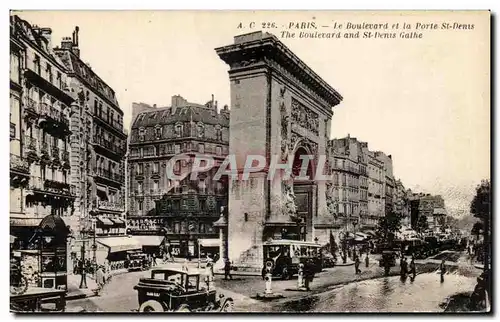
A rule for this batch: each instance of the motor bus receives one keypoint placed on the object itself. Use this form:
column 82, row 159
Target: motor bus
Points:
column 284, row 256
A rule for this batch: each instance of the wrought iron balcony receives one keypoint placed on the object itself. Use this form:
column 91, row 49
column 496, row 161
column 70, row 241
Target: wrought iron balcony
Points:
column 108, row 205
column 12, row 130
column 109, row 175
column 19, row 164
column 108, row 145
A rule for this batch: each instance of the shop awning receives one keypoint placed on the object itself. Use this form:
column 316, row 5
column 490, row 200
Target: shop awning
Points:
column 150, row 240
column 209, row 242
column 370, row 233
column 105, row 221
column 117, row 220
column 120, row 244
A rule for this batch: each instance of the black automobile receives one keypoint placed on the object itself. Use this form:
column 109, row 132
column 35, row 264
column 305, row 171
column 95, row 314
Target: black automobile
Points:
column 282, row 257
column 176, row 290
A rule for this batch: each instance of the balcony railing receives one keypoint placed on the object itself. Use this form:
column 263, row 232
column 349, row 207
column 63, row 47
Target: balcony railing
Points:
column 53, row 186
column 19, row 164
column 107, row 144
column 108, row 205
column 109, row 175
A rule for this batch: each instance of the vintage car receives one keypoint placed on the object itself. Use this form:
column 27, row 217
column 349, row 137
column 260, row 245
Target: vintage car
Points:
column 178, row 290
column 283, row 257
column 136, row 261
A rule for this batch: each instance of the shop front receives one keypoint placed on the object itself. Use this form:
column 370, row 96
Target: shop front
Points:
column 112, row 251
column 152, row 244
column 209, row 247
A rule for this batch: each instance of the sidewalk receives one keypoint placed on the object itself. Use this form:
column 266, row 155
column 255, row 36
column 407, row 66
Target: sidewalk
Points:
column 74, row 290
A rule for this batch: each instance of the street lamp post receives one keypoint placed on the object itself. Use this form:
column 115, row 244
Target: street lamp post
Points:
column 83, row 280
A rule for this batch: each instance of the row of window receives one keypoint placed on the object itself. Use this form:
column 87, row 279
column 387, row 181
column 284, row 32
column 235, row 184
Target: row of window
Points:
column 165, row 149
column 108, row 115
column 176, row 227
column 47, row 72
column 176, row 187
column 179, row 131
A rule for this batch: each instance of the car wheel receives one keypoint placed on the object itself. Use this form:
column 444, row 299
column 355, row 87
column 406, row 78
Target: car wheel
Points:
column 151, row 306
column 183, row 308
column 228, row 306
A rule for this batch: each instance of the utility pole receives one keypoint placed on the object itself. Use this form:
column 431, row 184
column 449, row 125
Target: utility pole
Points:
column 83, row 281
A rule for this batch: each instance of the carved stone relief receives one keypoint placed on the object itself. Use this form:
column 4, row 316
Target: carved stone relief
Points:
column 330, row 201
column 285, row 125
column 304, row 117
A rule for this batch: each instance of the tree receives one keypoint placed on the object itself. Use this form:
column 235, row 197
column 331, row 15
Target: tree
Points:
column 388, row 226
column 422, row 224
column 480, row 208
column 476, row 229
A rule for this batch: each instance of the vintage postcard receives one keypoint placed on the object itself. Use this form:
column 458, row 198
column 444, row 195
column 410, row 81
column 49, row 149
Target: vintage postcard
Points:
column 250, row 161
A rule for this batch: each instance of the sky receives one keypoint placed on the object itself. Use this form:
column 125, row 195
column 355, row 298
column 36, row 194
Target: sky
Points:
column 424, row 101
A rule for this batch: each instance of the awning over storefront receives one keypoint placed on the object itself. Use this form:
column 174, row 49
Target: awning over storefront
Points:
column 117, row 220
column 105, row 221
column 209, row 242
column 150, row 240
column 370, row 233
column 120, row 244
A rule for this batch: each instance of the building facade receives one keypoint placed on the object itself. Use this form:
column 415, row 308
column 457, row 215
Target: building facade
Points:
column 181, row 209
column 40, row 108
column 388, row 181
column 350, row 183
column 401, row 203
column 376, row 181
column 98, row 146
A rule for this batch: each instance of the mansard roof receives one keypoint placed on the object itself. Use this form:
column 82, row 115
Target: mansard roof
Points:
column 77, row 67
column 191, row 112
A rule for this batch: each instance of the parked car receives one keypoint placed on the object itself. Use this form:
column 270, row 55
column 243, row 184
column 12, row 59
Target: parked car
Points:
column 180, row 291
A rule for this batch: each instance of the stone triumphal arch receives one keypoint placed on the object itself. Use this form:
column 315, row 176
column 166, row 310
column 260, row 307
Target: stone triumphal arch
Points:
column 279, row 107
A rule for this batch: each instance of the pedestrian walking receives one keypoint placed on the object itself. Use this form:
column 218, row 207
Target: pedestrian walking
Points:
column 442, row 268
column 413, row 268
column 367, row 260
column 356, row 265
column 308, row 273
column 227, row 269
column 100, row 279
column 154, row 260
column 404, row 268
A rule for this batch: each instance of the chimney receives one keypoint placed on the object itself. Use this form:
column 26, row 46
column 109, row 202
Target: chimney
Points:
column 66, row 43
column 47, row 34
column 215, row 106
column 75, row 36
column 74, row 47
